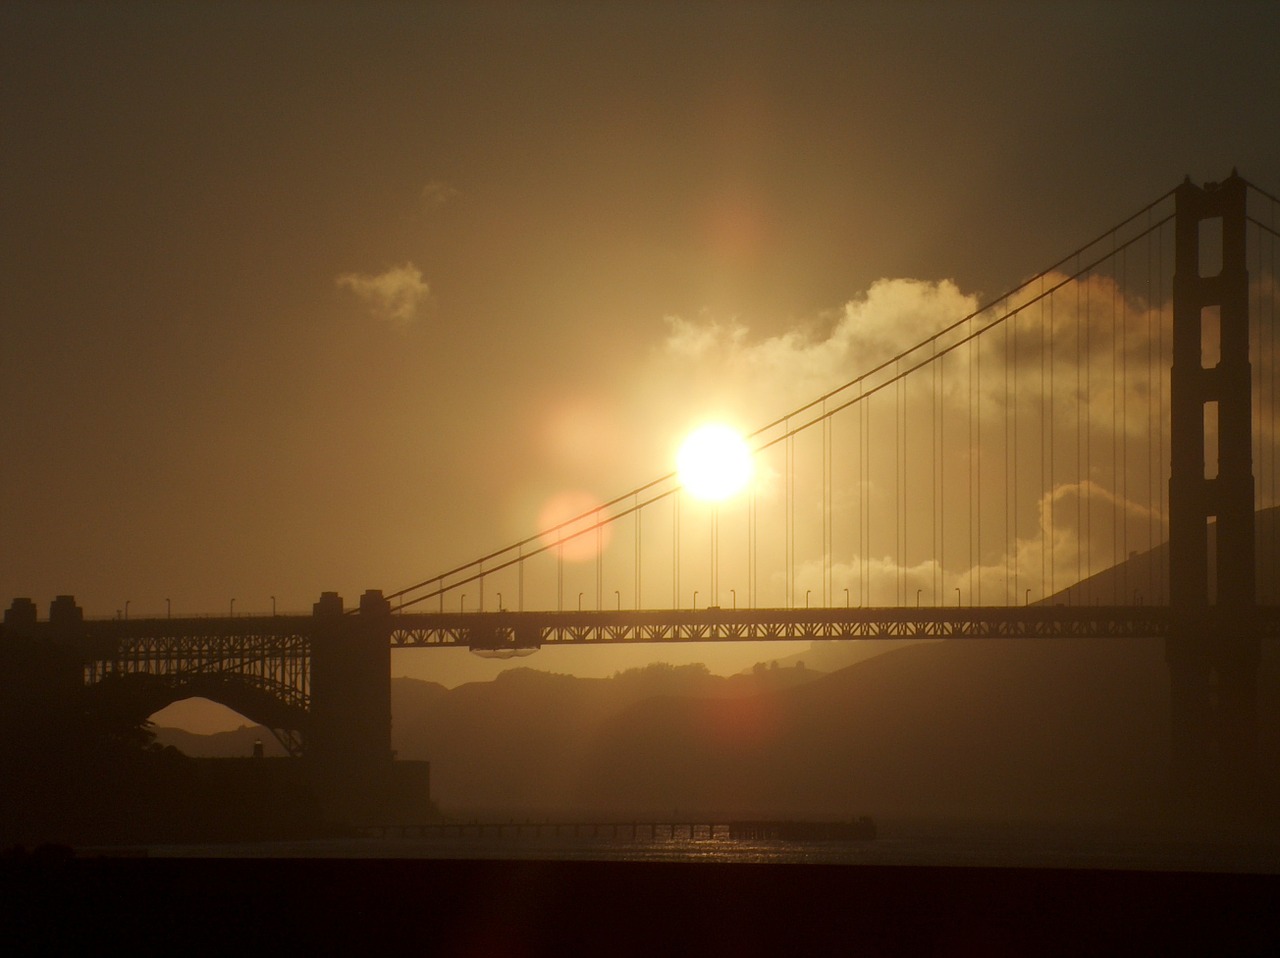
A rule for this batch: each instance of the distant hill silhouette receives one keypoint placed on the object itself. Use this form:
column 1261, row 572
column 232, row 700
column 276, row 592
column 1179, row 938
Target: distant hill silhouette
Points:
column 990, row 729
column 999, row 729
column 1052, row 729
column 237, row 743
column 1144, row 576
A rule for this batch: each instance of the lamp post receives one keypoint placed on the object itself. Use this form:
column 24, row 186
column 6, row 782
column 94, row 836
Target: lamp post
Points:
column 273, row 606
column 957, row 597
column 806, row 597
column 579, row 601
column 1027, row 600
column 846, row 598
column 233, row 608
column 617, row 593
column 462, row 604
column 499, row 601
column 695, row 598
column 918, row 591
column 168, row 609
column 733, row 594
column 126, row 609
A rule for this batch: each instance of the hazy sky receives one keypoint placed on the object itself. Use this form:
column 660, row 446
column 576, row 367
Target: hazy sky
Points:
column 303, row 297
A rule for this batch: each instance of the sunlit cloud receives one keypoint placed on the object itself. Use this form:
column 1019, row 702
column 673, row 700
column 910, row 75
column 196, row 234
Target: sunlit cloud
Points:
column 436, row 194
column 397, row 295
column 726, row 365
column 1079, row 534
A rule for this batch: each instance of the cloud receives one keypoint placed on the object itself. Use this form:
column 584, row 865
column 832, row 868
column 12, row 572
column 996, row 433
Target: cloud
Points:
column 396, row 295
column 794, row 366
column 1081, row 528
column 437, row 193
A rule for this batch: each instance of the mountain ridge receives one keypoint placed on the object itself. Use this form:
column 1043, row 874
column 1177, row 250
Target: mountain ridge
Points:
column 1045, row 729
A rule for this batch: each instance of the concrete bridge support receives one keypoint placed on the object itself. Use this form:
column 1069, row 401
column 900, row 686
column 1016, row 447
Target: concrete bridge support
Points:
column 349, row 743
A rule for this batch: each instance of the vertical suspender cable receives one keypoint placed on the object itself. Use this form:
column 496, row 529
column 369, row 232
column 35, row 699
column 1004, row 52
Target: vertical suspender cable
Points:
column 977, row 452
column 1162, row 486
column 826, row 506
column 1081, row 454
column 1152, row 425
column 864, row 585
column 1008, row 499
column 1126, row 595
column 790, row 516
column 1086, row 484
column 1115, row 434
column 675, row 551
column 898, row 504
column 1052, row 478
column 1044, row 487
column 1151, row 471
column 941, row 551
column 715, row 554
column 1014, row 545
column 935, row 467
column 1275, row 414
column 971, row 454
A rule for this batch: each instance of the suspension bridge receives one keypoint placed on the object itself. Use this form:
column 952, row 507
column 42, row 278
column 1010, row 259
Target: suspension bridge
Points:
column 1083, row 456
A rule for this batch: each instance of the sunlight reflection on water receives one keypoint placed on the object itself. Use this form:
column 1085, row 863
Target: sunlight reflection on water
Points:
column 933, row 845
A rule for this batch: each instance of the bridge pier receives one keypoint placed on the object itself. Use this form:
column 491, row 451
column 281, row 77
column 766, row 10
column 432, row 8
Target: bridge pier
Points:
column 1213, row 646
column 42, row 684
column 349, row 740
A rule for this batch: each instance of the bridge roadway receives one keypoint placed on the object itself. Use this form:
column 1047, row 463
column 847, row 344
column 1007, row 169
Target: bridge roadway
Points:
column 277, row 646
column 483, row 631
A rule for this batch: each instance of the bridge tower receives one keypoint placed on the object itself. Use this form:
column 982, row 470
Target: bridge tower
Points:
column 1213, row 647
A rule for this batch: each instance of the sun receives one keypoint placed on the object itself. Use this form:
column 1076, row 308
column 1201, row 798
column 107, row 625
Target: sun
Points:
column 714, row 462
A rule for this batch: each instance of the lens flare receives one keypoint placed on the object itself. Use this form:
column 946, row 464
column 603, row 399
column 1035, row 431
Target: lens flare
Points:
column 579, row 541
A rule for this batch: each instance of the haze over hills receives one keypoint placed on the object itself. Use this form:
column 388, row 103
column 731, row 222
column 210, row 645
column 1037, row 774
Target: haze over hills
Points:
column 1054, row 729
column 1064, row 730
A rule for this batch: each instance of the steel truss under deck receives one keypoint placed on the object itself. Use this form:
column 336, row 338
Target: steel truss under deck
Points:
column 214, row 657
column 482, row 631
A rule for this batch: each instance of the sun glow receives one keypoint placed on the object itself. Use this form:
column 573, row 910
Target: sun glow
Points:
column 714, row 462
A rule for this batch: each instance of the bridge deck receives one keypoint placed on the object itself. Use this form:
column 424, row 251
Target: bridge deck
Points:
column 518, row 630
column 287, row 635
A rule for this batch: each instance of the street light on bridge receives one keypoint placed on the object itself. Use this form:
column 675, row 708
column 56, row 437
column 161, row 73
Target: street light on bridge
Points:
column 273, row 606
column 126, row 608
column 168, row 609
column 233, row 608
column 733, row 594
